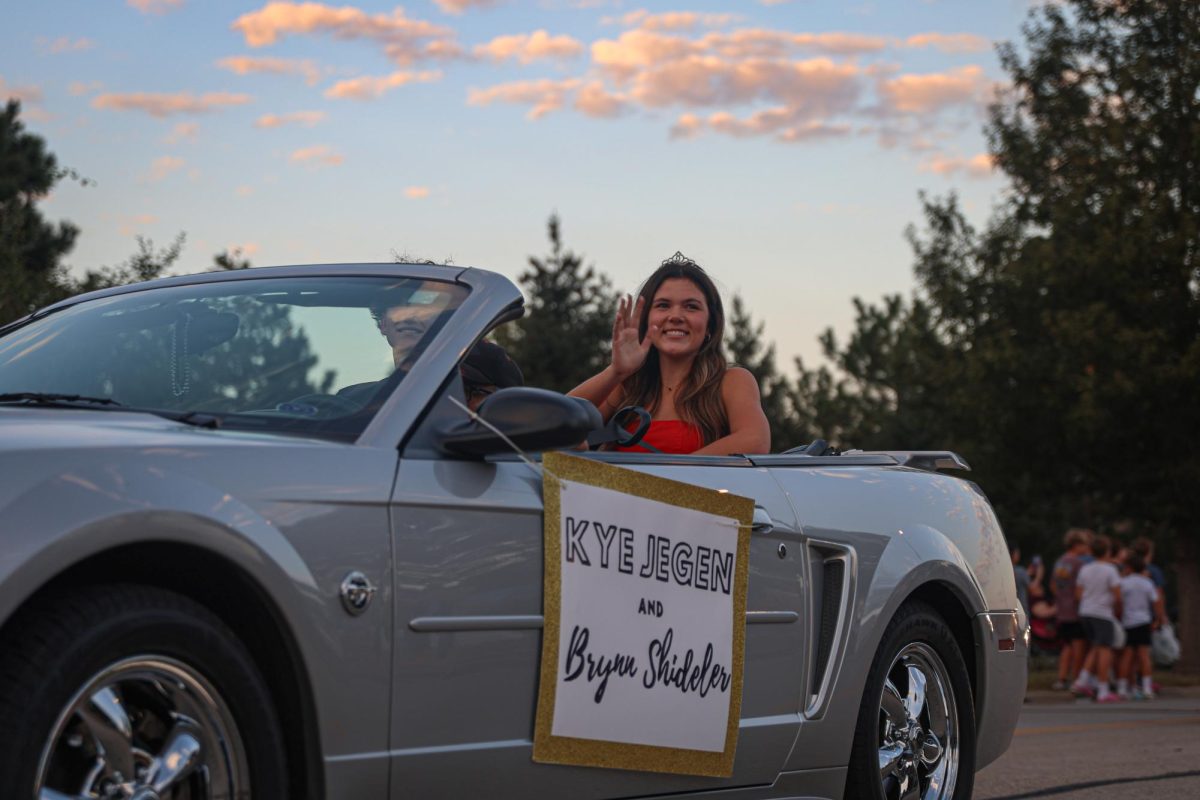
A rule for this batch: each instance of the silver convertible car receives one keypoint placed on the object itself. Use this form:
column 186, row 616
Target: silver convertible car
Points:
column 253, row 545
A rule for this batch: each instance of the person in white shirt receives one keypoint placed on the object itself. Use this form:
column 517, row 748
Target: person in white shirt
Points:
column 1142, row 610
column 1098, row 589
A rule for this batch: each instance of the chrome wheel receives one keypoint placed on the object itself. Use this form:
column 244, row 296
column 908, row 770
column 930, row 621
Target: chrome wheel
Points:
column 918, row 733
column 144, row 728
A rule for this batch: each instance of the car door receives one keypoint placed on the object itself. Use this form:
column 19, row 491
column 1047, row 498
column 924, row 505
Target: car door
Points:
column 468, row 562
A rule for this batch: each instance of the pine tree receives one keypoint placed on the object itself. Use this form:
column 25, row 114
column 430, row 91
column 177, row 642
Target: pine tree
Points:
column 563, row 338
column 31, row 249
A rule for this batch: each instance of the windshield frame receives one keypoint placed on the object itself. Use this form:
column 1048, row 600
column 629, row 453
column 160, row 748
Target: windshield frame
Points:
column 347, row 428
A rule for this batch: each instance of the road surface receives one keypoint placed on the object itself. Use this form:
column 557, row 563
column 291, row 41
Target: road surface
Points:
column 1085, row 751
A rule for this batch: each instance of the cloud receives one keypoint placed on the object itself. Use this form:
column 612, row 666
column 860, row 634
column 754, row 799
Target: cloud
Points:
column 26, row 94
column 63, row 44
column 182, row 131
column 163, row 166
column 305, row 118
column 317, row 155
column 155, row 6
column 815, row 87
column 529, row 47
column 276, row 19
column 543, row 95
column 78, row 88
column 367, row 87
column 244, row 191
column 950, row 42
column 416, row 192
column 593, row 100
column 137, row 222
column 165, row 105
column 244, row 65
column 672, row 20
column 641, row 49
column 932, row 92
column 980, row 166
column 459, row 6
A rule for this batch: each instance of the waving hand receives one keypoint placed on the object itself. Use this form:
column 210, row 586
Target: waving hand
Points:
column 628, row 354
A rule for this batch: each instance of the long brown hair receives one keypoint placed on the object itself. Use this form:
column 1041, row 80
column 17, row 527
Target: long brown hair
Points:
column 699, row 399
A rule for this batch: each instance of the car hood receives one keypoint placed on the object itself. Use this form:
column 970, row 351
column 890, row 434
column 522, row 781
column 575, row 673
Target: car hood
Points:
column 37, row 443
column 25, row 429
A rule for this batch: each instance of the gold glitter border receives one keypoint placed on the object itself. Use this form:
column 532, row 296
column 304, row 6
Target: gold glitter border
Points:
column 550, row 749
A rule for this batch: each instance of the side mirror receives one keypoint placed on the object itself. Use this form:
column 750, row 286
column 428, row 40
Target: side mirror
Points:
column 533, row 419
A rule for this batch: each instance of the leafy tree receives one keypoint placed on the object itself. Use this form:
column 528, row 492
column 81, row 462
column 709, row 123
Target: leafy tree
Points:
column 230, row 259
column 744, row 343
column 570, row 308
column 146, row 264
column 31, row 248
column 1059, row 347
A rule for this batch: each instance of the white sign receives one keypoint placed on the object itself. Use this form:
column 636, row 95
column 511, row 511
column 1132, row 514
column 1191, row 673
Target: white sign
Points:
column 645, row 610
column 645, row 646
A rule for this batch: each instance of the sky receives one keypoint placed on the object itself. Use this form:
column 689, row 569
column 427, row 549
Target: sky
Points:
column 782, row 144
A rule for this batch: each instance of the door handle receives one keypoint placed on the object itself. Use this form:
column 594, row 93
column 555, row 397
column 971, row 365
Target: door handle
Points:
column 762, row 522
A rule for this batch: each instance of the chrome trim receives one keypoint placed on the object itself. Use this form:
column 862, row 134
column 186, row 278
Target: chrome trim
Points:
column 818, row 702
column 356, row 592
column 771, row 617
column 153, row 725
column 511, row 622
column 533, row 622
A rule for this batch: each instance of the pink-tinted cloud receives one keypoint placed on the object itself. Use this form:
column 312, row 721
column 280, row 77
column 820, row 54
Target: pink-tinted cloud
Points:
column 165, row 105
column 526, row 48
column 368, row 88
column 815, row 87
column 593, row 100
column 182, row 131
column 686, row 126
column 932, row 92
column 26, row 94
column 130, row 225
column 78, row 88
column 980, row 166
column 63, row 44
column 244, row 191
column 416, row 192
column 304, row 118
column 460, row 6
column 277, row 19
column 543, row 95
column 245, row 65
column 949, row 42
column 163, row 166
column 155, row 6
column 673, row 20
column 318, row 155
column 640, row 49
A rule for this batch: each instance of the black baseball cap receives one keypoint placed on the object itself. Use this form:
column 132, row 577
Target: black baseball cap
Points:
column 488, row 365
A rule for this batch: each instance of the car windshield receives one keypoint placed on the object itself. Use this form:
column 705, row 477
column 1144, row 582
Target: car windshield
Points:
column 313, row 355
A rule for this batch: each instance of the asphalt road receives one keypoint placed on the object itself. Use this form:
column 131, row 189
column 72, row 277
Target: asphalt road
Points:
column 1077, row 750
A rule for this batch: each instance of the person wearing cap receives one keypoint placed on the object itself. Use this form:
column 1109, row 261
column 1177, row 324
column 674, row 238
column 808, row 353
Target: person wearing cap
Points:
column 487, row 368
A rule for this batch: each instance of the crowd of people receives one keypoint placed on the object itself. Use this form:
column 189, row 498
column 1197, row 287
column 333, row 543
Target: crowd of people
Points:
column 1098, row 606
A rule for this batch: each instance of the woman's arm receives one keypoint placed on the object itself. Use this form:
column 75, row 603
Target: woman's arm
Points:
column 628, row 354
column 603, row 390
column 749, row 431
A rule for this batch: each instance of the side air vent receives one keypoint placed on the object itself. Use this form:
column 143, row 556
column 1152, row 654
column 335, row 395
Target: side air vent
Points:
column 833, row 574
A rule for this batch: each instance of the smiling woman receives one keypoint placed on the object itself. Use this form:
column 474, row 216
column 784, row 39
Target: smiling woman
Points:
column 667, row 358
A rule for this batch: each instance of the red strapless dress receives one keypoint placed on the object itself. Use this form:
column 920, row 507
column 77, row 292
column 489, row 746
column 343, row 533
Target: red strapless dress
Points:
column 669, row 436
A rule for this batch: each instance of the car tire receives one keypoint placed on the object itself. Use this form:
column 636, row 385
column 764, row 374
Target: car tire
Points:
column 136, row 691
column 915, row 734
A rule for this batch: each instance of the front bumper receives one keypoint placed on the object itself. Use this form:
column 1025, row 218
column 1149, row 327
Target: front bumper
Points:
column 1002, row 672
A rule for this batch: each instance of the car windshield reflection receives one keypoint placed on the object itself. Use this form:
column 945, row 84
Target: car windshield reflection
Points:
column 312, row 355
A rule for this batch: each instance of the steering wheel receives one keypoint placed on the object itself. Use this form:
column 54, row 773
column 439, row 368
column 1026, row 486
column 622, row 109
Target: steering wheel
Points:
column 319, row 405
